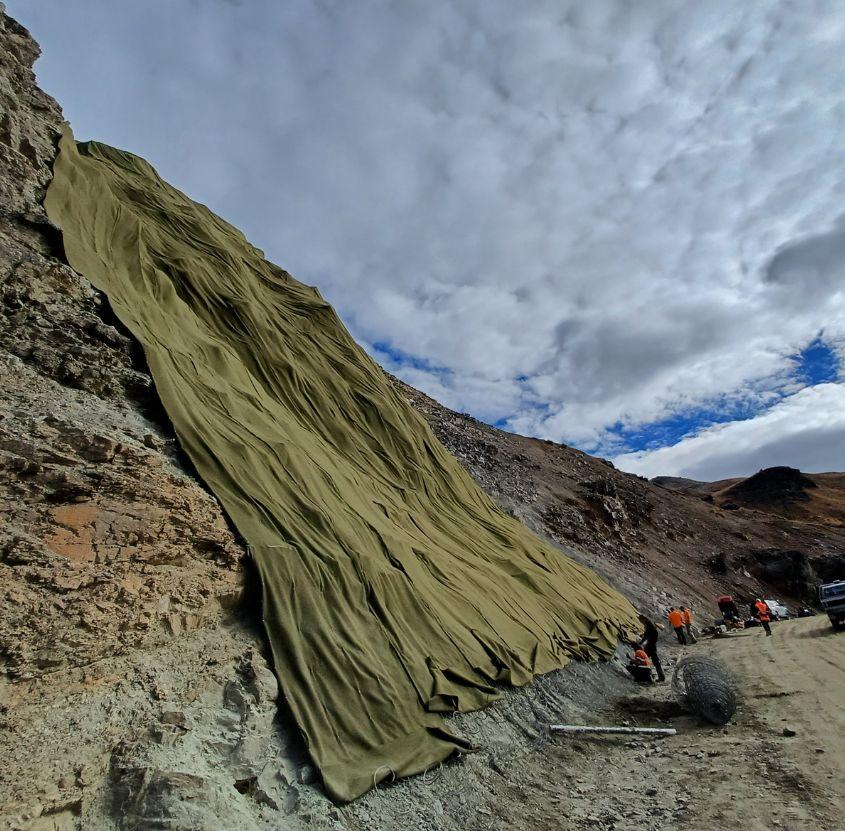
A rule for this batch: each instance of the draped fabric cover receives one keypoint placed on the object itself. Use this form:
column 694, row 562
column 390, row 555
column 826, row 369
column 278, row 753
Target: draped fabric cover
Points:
column 394, row 589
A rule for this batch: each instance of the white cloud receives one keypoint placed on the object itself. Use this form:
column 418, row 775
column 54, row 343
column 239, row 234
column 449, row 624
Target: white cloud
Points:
column 631, row 207
column 805, row 430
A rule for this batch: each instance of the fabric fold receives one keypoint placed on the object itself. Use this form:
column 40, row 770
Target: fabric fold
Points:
column 394, row 590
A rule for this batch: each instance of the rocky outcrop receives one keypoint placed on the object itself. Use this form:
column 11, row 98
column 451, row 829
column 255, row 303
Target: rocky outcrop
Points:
column 793, row 572
column 98, row 528
column 101, row 526
column 118, row 571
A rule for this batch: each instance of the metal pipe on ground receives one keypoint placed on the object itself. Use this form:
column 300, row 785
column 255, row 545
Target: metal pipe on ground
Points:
column 585, row 728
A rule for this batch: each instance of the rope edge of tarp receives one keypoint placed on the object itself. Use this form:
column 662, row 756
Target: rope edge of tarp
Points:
column 437, row 767
column 389, row 769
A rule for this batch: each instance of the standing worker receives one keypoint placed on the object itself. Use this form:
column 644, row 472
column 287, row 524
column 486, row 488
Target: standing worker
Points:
column 687, row 615
column 730, row 612
column 764, row 615
column 676, row 621
column 648, row 642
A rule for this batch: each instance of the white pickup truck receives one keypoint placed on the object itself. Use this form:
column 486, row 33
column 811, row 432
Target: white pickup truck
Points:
column 832, row 598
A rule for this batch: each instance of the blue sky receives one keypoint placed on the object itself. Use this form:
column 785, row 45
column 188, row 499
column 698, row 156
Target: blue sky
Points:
column 613, row 224
column 818, row 363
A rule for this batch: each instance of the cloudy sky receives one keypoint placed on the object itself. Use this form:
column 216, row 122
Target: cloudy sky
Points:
column 616, row 223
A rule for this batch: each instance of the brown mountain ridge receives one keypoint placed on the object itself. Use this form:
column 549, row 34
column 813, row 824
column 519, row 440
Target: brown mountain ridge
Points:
column 781, row 491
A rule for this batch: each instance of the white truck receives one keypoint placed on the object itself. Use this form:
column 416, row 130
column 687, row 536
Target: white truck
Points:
column 832, row 598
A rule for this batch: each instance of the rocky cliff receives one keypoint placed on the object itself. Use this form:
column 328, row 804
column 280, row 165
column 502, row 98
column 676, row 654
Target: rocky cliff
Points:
column 118, row 572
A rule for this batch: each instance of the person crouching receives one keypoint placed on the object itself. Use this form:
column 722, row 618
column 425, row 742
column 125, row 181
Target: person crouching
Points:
column 639, row 665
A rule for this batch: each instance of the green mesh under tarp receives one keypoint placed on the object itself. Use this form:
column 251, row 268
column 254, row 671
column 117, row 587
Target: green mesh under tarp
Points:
column 394, row 589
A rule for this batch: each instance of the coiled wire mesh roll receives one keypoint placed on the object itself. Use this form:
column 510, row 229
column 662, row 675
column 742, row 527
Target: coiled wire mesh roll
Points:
column 706, row 687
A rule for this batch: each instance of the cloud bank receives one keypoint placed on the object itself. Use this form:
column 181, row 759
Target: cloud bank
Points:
column 806, row 431
column 574, row 219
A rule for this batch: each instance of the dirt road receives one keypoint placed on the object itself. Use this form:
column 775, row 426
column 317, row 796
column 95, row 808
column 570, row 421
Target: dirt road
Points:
column 780, row 764
column 747, row 775
column 793, row 680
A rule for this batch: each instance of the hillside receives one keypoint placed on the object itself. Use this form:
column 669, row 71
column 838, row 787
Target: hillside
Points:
column 659, row 541
column 782, row 491
column 136, row 682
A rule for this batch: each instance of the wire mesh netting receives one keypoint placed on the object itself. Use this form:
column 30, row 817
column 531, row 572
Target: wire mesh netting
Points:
column 706, row 687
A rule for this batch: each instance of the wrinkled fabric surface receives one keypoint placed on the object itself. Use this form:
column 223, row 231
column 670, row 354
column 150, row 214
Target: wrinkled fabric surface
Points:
column 394, row 589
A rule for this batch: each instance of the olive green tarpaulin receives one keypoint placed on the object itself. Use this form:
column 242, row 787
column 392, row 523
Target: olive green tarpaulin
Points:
column 394, row 589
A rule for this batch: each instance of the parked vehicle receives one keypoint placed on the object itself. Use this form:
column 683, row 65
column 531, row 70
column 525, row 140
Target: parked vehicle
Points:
column 832, row 598
column 778, row 610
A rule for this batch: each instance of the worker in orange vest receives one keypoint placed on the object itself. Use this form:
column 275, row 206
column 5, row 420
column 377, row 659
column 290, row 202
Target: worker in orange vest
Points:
column 687, row 615
column 676, row 621
column 640, row 666
column 764, row 614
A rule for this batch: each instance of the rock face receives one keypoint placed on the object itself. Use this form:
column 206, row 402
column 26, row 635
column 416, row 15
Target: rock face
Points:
column 98, row 528
column 118, row 572
column 100, row 524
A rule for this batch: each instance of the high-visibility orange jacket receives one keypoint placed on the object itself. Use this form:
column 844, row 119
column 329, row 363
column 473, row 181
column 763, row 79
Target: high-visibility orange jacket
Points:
column 763, row 612
column 688, row 617
column 676, row 619
column 641, row 659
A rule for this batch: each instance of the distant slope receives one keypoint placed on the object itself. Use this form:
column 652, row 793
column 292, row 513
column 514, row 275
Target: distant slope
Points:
column 783, row 491
column 691, row 486
column 661, row 542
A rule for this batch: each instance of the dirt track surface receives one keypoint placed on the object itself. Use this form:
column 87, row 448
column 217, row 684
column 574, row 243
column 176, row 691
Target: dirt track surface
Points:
column 793, row 680
column 747, row 775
